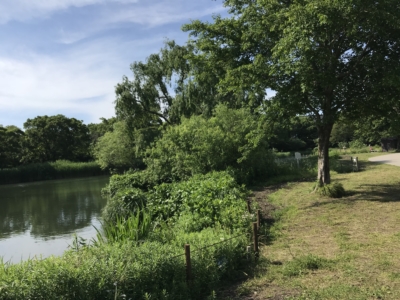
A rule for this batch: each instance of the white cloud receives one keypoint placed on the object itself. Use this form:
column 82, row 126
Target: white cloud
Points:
column 41, row 77
column 47, row 86
column 70, row 37
column 163, row 12
column 23, row 10
column 81, row 81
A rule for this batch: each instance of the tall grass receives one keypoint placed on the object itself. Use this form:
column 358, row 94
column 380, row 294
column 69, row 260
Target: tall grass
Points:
column 134, row 228
column 128, row 270
column 52, row 170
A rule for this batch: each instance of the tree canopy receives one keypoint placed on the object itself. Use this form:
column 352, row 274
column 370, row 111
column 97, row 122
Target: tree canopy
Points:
column 55, row 137
column 173, row 84
column 322, row 57
column 11, row 139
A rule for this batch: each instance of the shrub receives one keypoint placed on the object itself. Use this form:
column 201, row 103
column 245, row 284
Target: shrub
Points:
column 334, row 190
column 123, row 204
column 233, row 140
column 121, row 182
column 200, row 202
column 357, row 144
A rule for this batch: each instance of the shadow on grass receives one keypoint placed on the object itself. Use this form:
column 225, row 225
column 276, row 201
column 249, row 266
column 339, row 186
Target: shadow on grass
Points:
column 378, row 192
column 372, row 192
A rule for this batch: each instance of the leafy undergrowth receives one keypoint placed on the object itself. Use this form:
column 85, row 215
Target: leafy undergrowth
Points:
column 324, row 248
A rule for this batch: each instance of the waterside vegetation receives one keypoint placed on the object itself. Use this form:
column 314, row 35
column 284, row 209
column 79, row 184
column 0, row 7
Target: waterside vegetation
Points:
column 60, row 169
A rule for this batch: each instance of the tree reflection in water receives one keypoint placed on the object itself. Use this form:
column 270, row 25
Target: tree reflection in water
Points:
column 50, row 208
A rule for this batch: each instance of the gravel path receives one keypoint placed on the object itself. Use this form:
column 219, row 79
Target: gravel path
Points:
column 390, row 159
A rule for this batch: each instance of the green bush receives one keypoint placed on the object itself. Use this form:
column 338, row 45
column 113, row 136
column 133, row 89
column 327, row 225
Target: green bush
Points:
column 123, row 204
column 200, row 202
column 126, row 181
column 233, row 140
column 306, row 167
column 356, row 144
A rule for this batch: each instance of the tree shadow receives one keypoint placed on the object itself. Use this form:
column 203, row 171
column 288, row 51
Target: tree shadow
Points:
column 372, row 192
column 379, row 193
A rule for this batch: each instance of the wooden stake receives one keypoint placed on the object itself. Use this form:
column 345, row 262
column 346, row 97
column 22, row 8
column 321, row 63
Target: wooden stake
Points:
column 188, row 263
column 248, row 206
column 255, row 239
column 258, row 218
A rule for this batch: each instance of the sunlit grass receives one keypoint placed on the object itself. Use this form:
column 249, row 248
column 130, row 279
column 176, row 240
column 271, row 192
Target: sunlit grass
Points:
column 356, row 239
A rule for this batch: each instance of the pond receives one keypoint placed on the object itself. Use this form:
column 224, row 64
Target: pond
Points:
column 41, row 218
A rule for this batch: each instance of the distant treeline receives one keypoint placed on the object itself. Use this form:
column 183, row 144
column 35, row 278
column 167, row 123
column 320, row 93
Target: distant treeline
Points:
column 60, row 169
column 48, row 139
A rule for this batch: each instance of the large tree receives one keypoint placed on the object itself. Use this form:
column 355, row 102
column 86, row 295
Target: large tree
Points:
column 322, row 57
column 116, row 151
column 55, row 137
column 172, row 84
column 11, row 138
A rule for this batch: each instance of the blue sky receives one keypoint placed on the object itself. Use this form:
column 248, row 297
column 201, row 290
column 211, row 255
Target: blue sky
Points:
column 66, row 56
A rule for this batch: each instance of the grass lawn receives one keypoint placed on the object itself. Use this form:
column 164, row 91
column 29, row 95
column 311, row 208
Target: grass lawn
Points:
column 324, row 248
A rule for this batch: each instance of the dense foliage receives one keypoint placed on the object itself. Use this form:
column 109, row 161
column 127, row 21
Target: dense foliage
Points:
column 200, row 202
column 233, row 140
column 56, row 137
column 115, row 151
column 11, row 139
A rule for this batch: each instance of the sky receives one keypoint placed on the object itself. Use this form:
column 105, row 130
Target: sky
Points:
column 66, row 56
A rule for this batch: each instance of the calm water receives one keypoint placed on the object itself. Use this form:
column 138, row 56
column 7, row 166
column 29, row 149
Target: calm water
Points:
column 40, row 218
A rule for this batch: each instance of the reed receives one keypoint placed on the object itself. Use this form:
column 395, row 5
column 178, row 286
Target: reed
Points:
column 60, row 169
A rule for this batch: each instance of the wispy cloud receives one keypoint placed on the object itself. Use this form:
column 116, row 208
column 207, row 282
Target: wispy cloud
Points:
column 23, row 10
column 67, row 82
column 164, row 12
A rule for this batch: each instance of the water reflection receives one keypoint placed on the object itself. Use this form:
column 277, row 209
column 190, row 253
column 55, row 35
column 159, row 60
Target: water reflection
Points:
column 49, row 209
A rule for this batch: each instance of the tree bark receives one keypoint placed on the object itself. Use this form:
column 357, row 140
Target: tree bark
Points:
column 324, row 133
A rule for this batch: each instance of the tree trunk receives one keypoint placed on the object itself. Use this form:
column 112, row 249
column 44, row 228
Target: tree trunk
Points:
column 324, row 133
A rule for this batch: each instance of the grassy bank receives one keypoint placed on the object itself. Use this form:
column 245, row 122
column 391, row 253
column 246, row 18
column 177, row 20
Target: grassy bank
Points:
column 60, row 169
column 323, row 248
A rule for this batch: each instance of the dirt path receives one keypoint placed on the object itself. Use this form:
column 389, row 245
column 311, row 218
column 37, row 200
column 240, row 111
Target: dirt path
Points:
column 391, row 159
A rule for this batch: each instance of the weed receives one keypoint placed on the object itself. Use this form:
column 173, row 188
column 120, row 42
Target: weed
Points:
column 303, row 264
column 334, row 190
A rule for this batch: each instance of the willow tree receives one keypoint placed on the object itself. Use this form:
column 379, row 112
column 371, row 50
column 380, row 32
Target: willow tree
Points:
column 322, row 57
column 172, row 84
